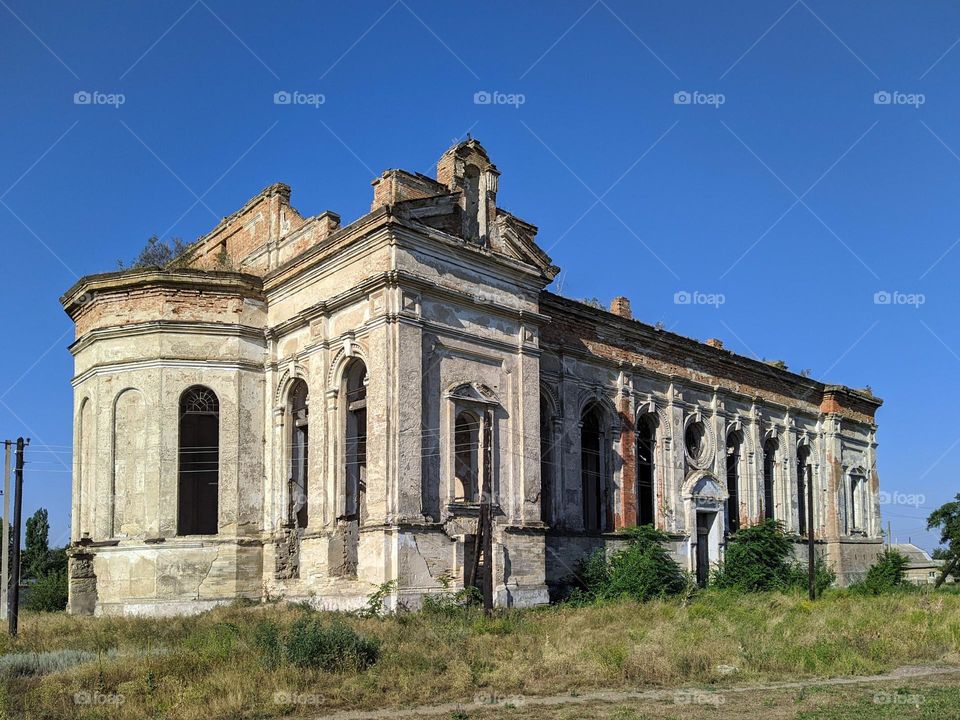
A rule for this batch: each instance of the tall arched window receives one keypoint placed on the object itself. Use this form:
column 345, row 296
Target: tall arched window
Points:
column 466, row 440
column 804, row 477
column 593, row 470
column 769, row 471
column 734, row 445
column 199, row 456
column 547, row 462
column 858, row 502
column 355, row 440
column 298, row 439
column 646, row 469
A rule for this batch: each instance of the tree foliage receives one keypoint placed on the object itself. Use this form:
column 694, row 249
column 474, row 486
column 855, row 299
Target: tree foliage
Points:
column 642, row 570
column 946, row 518
column 886, row 574
column 760, row 558
column 156, row 253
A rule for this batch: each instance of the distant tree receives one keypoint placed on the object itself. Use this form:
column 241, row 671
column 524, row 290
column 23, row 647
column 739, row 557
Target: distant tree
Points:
column 946, row 518
column 940, row 554
column 156, row 253
column 36, row 549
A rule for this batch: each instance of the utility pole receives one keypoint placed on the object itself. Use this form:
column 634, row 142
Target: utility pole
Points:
column 811, row 562
column 15, row 571
column 5, row 560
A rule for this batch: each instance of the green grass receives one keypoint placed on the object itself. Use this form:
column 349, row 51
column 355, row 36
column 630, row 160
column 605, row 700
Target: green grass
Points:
column 219, row 664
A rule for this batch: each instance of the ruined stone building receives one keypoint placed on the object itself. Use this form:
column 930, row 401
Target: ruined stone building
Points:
column 299, row 409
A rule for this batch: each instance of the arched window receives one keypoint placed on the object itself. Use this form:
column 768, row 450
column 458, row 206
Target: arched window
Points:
column 593, row 470
column 297, row 437
column 858, row 502
column 734, row 451
column 769, row 471
column 199, row 460
column 547, row 461
column 804, row 477
column 466, row 442
column 355, row 440
column 646, row 469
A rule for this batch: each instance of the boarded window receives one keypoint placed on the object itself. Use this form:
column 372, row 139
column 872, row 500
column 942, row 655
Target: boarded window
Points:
column 199, row 462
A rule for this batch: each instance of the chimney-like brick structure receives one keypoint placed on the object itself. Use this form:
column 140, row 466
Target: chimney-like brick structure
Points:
column 715, row 343
column 620, row 305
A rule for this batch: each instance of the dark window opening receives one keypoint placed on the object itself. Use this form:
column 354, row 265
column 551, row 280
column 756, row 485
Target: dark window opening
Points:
column 592, row 471
column 356, row 441
column 199, row 463
column 299, row 444
column 466, row 456
column 733, row 482
column 769, row 467
column 646, row 470
column 804, row 476
column 547, row 466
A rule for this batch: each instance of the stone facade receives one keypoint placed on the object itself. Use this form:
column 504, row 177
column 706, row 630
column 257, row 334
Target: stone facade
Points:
column 303, row 410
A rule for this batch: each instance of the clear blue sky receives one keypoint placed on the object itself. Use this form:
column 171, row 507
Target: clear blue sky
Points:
column 634, row 194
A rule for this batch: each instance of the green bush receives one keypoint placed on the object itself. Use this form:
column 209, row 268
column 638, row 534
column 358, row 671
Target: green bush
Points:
column 885, row 575
column 49, row 593
column 333, row 647
column 642, row 570
column 760, row 558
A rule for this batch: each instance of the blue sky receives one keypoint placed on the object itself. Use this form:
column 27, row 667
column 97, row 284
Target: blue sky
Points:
column 786, row 185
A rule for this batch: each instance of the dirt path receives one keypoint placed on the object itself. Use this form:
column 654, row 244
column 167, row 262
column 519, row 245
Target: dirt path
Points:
column 486, row 700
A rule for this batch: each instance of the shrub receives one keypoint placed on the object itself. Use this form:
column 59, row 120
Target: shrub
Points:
column 642, row 570
column 885, row 574
column 760, row 558
column 32, row 664
column 311, row 643
column 49, row 593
